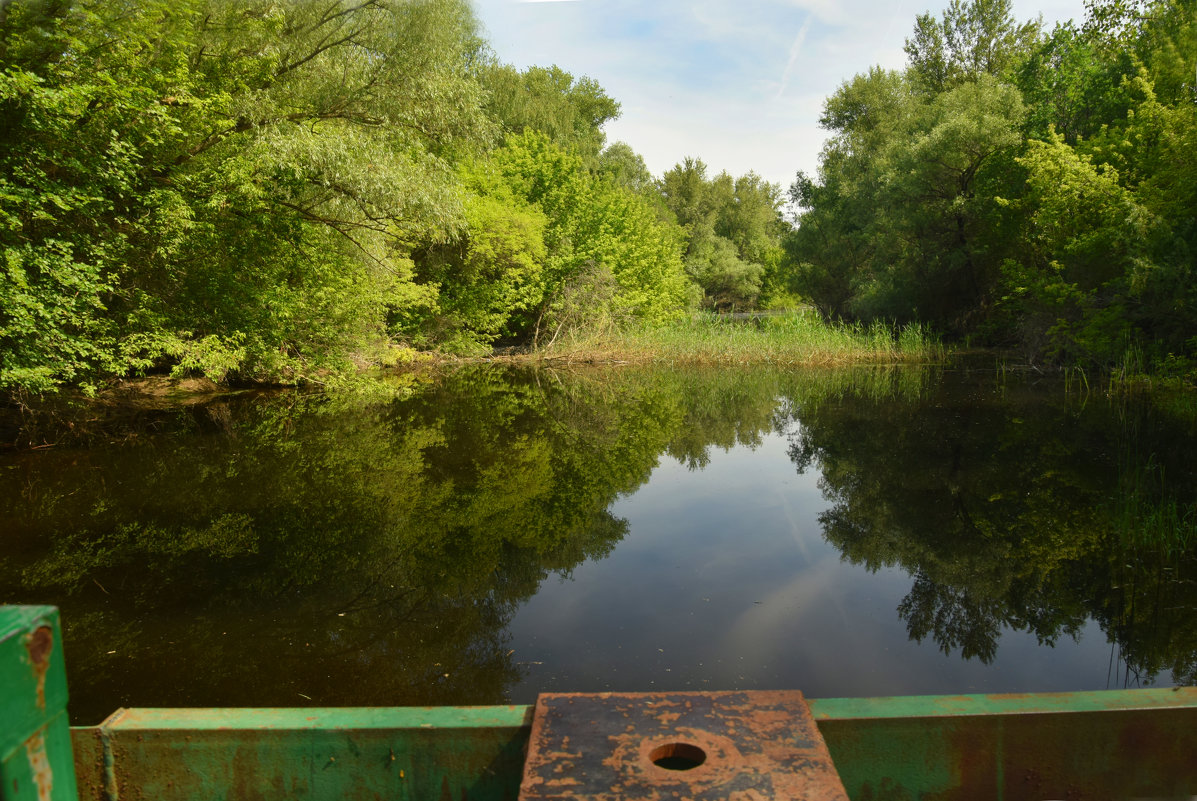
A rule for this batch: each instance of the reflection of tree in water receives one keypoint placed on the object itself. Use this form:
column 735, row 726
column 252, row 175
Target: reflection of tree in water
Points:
column 954, row 616
column 1009, row 517
column 270, row 551
column 293, row 549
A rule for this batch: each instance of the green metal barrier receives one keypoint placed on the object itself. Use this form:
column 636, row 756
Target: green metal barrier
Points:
column 1087, row 746
column 1099, row 746
column 1113, row 744
column 398, row 754
column 35, row 738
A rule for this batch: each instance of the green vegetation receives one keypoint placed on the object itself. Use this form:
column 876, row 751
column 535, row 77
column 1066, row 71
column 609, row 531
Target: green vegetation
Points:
column 256, row 191
column 1019, row 187
column 263, row 192
column 222, row 186
column 800, row 338
column 733, row 231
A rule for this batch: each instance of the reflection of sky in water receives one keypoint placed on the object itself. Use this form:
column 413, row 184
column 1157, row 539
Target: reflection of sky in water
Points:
column 725, row 582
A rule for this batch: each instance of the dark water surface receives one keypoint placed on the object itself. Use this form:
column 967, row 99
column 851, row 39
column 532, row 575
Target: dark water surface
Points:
column 501, row 533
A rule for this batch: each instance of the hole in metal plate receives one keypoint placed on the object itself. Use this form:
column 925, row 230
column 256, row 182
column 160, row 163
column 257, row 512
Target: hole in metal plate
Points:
column 677, row 756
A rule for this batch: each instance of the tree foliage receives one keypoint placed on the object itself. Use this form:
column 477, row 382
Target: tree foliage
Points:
column 264, row 191
column 1025, row 188
column 570, row 111
column 224, row 185
column 971, row 39
column 733, row 232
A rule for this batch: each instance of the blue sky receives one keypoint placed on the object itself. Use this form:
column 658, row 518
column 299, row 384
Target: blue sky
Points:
column 737, row 83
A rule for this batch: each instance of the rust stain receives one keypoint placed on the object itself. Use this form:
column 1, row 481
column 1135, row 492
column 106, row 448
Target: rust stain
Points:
column 39, row 644
column 747, row 746
column 39, row 765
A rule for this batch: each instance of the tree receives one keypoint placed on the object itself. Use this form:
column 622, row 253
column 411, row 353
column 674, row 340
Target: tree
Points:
column 625, row 167
column 942, row 209
column 1085, row 237
column 1017, row 189
column 688, row 195
column 733, row 230
column 571, row 112
column 488, row 277
column 601, row 240
column 971, row 39
column 728, row 282
column 841, row 239
column 222, row 186
column 1068, row 86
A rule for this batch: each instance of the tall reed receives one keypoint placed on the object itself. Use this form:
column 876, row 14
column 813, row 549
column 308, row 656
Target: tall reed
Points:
column 802, row 338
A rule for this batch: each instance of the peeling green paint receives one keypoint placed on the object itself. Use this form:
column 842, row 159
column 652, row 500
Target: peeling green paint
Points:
column 35, row 742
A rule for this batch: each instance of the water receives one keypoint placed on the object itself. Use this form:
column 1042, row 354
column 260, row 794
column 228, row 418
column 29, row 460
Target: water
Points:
column 500, row 533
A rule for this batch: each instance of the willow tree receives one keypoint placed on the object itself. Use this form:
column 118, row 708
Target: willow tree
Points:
column 222, row 185
column 570, row 111
column 733, row 231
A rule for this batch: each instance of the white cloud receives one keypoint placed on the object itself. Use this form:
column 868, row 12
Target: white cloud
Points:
column 795, row 52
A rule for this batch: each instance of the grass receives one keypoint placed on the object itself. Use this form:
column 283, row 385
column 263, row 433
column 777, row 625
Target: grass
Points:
column 800, row 339
column 1149, row 518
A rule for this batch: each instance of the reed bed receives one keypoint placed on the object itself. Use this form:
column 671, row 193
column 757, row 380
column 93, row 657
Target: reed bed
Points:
column 800, row 339
column 1148, row 518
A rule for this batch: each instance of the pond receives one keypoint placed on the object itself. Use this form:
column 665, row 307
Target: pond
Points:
column 501, row 532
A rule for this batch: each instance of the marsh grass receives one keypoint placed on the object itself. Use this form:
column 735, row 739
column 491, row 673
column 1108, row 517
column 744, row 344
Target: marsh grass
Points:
column 801, row 339
column 1149, row 519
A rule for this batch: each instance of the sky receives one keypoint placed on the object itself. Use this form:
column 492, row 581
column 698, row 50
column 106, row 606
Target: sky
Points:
column 739, row 84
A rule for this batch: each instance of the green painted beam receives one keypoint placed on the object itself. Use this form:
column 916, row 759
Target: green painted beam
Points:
column 299, row 718
column 930, row 706
column 457, row 753
column 1092, row 745
column 35, row 740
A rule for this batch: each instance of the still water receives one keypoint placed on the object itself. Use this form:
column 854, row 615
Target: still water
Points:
column 497, row 533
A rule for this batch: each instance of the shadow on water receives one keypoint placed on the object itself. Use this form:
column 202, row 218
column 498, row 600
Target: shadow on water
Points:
column 289, row 550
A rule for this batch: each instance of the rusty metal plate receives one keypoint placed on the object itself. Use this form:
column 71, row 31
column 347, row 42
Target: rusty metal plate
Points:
column 730, row 746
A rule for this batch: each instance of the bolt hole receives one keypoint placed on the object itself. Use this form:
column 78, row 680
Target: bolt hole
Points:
column 677, row 756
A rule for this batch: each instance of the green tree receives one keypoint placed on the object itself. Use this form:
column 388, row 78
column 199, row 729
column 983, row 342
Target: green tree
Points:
column 607, row 255
column 625, row 167
column 903, row 224
column 939, row 189
column 840, row 241
column 1017, row 188
column 222, row 186
column 733, row 230
column 622, row 233
column 571, row 112
column 1086, row 236
column 687, row 194
column 728, row 282
column 971, row 39
column 488, row 277
column 1069, row 86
